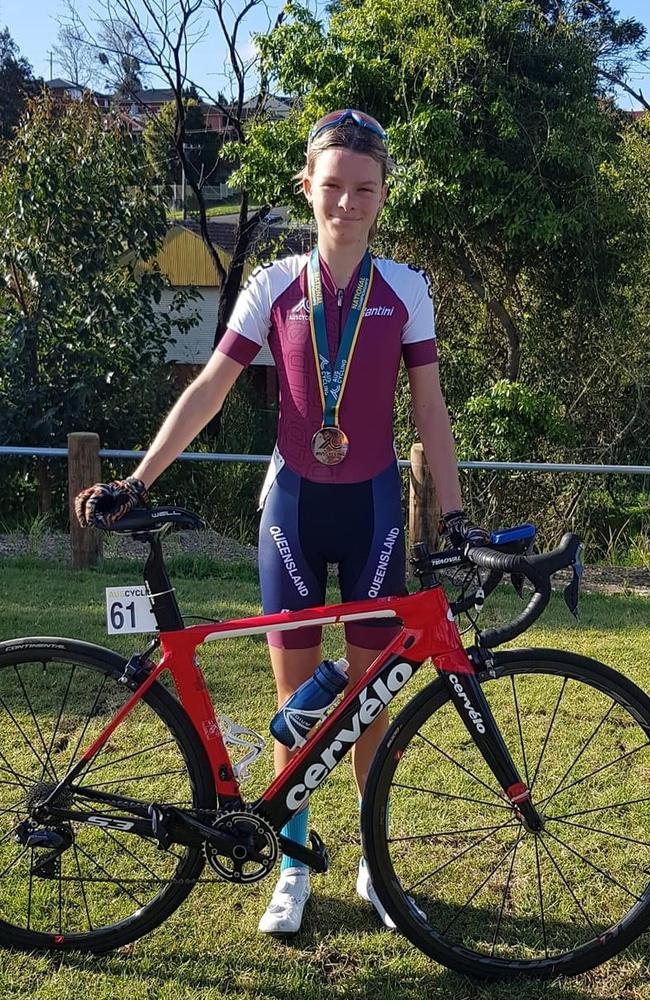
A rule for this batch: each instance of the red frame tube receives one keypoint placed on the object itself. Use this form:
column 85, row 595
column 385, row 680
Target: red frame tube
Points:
column 428, row 630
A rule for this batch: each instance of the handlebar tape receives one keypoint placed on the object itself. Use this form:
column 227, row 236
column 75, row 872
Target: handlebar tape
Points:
column 536, row 568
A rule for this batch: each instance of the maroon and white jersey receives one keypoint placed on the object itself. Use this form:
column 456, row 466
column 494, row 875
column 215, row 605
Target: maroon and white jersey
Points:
column 273, row 309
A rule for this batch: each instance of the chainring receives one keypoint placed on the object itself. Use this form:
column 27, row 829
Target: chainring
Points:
column 255, row 834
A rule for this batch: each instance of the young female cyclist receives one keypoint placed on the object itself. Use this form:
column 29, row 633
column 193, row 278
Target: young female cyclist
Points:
column 338, row 322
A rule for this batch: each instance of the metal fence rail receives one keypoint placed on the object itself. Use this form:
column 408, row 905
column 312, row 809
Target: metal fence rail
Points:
column 84, row 457
column 206, row 456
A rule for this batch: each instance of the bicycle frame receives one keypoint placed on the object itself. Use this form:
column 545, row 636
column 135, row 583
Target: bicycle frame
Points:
column 428, row 630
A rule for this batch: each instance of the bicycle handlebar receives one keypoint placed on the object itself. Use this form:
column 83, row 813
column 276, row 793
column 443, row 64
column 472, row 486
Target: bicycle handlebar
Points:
column 538, row 569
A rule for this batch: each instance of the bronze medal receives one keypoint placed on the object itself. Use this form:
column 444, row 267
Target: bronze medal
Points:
column 330, row 445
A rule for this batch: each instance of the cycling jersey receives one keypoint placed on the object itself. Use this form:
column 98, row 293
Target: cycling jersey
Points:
column 306, row 525
column 273, row 308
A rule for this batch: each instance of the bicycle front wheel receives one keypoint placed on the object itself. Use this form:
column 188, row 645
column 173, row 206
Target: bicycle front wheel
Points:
column 452, row 862
column 107, row 887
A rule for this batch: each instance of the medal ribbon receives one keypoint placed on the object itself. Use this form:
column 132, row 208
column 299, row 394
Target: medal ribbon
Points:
column 331, row 381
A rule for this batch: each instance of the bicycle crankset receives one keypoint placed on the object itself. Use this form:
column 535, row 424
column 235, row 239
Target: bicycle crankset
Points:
column 253, row 855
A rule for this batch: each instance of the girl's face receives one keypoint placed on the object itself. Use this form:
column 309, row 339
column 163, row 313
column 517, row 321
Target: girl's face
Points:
column 346, row 193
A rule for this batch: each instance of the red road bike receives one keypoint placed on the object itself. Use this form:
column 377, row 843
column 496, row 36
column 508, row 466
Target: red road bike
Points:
column 517, row 836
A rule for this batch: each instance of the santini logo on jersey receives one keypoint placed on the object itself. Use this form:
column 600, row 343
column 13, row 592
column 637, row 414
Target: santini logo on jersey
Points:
column 301, row 310
column 379, row 311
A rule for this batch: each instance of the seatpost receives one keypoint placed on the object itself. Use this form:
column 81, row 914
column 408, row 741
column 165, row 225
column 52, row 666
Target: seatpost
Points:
column 163, row 599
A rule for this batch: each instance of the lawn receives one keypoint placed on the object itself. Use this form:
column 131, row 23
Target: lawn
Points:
column 227, row 207
column 209, row 948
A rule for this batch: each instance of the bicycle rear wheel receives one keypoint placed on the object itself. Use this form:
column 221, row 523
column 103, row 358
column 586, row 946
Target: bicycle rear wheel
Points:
column 495, row 900
column 108, row 887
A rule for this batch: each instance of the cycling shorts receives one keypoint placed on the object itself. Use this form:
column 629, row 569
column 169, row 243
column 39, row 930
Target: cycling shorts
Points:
column 306, row 525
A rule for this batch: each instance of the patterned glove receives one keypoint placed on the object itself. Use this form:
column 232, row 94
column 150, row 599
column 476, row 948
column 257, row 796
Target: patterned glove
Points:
column 459, row 530
column 103, row 504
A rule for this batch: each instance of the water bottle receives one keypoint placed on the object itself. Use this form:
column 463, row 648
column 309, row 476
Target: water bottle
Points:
column 309, row 704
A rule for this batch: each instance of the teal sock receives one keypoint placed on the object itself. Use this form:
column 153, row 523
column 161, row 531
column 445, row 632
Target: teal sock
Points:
column 295, row 829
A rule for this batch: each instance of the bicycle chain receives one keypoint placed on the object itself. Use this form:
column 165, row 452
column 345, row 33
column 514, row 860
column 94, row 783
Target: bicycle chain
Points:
column 196, row 814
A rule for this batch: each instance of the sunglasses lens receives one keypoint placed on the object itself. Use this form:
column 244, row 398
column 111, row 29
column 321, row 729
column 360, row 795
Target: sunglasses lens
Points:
column 338, row 117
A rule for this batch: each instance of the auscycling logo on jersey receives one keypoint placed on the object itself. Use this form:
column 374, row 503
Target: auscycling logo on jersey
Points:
column 384, row 559
column 371, row 702
column 300, row 310
column 286, row 556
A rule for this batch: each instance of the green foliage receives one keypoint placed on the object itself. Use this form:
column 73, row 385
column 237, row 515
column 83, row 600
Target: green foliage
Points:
column 510, row 423
column 16, row 84
column 204, row 148
column 82, row 344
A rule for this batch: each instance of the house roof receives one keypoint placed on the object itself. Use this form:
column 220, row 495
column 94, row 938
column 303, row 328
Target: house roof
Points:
column 59, row 84
column 159, row 96
column 268, row 241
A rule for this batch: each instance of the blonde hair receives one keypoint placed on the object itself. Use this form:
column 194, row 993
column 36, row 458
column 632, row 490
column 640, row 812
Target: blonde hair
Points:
column 350, row 136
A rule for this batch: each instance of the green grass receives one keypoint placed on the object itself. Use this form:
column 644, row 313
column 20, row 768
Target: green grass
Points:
column 227, row 207
column 210, row 949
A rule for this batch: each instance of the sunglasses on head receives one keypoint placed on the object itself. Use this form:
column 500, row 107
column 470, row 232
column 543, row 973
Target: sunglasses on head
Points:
column 335, row 118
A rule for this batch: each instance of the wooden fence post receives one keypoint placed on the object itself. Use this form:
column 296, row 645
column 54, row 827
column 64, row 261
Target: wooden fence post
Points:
column 424, row 510
column 84, row 469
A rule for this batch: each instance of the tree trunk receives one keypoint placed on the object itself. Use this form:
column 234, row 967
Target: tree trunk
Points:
column 232, row 284
column 497, row 308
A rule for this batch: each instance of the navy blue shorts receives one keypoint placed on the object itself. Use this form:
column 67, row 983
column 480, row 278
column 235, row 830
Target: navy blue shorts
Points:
column 306, row 525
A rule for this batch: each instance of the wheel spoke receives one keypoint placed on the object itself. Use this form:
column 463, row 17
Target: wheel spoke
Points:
column 91, row 714
column 110, row 878
column 128, row 756
column 58, row 721
column 82, row 887
column 610, row 878
column 29, row 889
column 31, row 710
column 483, row 883
column 505, row 896
column 578, row 756
column 605, row 833
column 572, row 893
column 456, row 857
column 448, row 795
column 541, row 896
column 610, row 805
column 452, row 760
column 130, row 853
column 444, row 833
column 43, row 763
column 548, row 733
column 521, row 734
column 598, row 770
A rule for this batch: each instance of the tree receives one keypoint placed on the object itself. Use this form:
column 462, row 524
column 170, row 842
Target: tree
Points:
column 81, row 342
column 202, row 147
column 496, row 120
column 16, row 84
column 166, row 34
column 75, row 59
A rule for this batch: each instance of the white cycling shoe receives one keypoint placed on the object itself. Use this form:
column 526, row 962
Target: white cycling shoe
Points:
column 366, row 890
column 283, row 915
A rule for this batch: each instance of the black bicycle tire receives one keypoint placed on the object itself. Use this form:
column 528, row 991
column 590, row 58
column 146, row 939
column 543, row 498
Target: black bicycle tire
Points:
column 373, row 826
column 174, row 716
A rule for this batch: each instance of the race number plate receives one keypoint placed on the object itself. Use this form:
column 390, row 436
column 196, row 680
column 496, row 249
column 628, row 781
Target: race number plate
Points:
column 128, row 610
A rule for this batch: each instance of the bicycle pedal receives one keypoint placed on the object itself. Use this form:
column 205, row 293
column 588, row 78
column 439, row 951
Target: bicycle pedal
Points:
column 316, row 857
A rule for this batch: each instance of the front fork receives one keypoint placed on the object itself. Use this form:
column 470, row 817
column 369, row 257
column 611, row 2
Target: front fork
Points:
column 471, row 704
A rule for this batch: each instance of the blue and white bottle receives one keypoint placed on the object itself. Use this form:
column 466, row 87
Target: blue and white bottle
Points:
column 309, row 704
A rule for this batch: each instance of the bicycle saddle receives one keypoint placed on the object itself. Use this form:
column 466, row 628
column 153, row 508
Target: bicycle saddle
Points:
column 154, row 518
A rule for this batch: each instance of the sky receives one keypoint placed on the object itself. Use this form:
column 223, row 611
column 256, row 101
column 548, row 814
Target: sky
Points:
column 33, row 26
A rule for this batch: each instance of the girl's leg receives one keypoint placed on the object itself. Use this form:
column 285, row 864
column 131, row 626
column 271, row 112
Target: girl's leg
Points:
column 283, row 915
column 364, row 749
